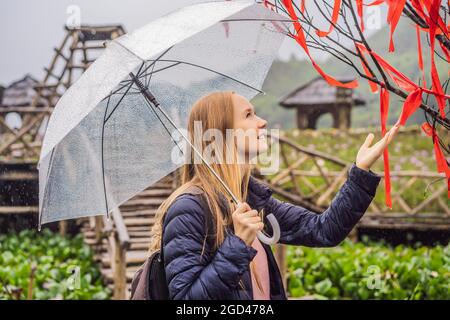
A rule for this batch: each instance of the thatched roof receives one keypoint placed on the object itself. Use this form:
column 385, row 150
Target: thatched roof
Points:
column 97, row 33
column 20, row 93
column 319, row 92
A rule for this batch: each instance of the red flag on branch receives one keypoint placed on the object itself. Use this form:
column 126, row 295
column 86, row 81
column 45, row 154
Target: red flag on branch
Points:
column 362, row 50
column 384, row 109
column 334, row 18
column 420, row 57
column 442, row 165
column 300, row 38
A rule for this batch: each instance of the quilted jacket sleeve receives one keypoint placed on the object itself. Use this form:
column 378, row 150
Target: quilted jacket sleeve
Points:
column 300, row 226
column 191, row 274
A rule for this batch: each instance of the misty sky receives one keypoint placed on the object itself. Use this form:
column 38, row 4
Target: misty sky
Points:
column 30, row 29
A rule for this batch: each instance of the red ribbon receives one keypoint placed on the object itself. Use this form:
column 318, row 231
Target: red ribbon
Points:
column 384, row 109
column 417, row 5
column 375, row 3
column 394, row 12
column 442, row 165
column 420, row 57
column 226, row 26
column 267, row 3
column 434, row 21
column 277, row 26
column 446, row 53
column 302, row 6
column 334, row 18
column 359, row 7
column 432, row 5
column 436, row 83
column 373, row 85
column 410, row 105
column 300, row 38
column 401, row 79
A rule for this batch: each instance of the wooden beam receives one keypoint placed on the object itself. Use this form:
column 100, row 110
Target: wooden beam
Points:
column 18, row 176
column 19, row 136
column 59, row 52
column 119, row 270
column 19, row 210
column 25, row 110
column 312, row 152
column 21, row 132
column 430, row 199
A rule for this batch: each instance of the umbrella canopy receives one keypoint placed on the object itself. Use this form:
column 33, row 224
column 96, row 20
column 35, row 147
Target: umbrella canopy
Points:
column 104, row 143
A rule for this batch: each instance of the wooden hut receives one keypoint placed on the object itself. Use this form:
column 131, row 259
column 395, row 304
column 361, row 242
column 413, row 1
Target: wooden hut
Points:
column 20, row 93
column 33, row 101
column 317, row 97
column 16, row 98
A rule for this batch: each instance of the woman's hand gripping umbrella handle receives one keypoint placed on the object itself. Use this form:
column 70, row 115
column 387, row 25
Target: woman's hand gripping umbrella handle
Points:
column 276, row 231
column 246, row 221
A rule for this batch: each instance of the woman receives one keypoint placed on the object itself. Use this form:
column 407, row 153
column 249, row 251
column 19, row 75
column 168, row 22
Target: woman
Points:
column 210, row 246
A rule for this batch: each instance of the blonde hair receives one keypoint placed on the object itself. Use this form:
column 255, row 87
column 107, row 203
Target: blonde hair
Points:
column 214, row 110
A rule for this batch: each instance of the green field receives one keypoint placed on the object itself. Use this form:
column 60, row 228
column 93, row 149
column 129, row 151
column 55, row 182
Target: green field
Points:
column 369, row 271
column 64, row 267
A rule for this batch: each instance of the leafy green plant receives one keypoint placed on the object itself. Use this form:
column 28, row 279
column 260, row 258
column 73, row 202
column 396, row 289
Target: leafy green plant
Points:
column 369, row 271
column 46, row 265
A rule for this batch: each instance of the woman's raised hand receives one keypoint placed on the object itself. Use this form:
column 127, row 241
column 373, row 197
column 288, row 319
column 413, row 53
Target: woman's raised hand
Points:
column 246, row 223
column 367, row 154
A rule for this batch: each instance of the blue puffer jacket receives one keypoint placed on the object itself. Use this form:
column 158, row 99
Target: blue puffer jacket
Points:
column 193, row 274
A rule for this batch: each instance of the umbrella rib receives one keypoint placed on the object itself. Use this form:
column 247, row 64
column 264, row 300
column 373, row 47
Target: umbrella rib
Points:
column 132, row 91
column 155, row 60
column 214, row 71
column 121, row 98
column 147, row 82
column 156, row 71
column 117, row 104
column 103, row 159
column 117, row 91
column 127, row 82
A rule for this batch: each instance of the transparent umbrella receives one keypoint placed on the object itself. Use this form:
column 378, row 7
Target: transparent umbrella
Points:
column 109, row 135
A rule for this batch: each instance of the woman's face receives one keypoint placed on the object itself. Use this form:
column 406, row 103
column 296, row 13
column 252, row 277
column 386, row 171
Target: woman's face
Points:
column 250, row 130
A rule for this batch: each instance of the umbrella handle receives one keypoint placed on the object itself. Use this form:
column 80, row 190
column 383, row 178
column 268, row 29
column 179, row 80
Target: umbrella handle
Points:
column 276, row 231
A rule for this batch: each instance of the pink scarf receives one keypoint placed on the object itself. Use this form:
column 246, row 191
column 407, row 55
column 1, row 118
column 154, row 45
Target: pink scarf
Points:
column 262, row 269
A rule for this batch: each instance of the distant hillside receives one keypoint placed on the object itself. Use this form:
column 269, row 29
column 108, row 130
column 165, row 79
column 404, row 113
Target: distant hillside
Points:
column 286, row 76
